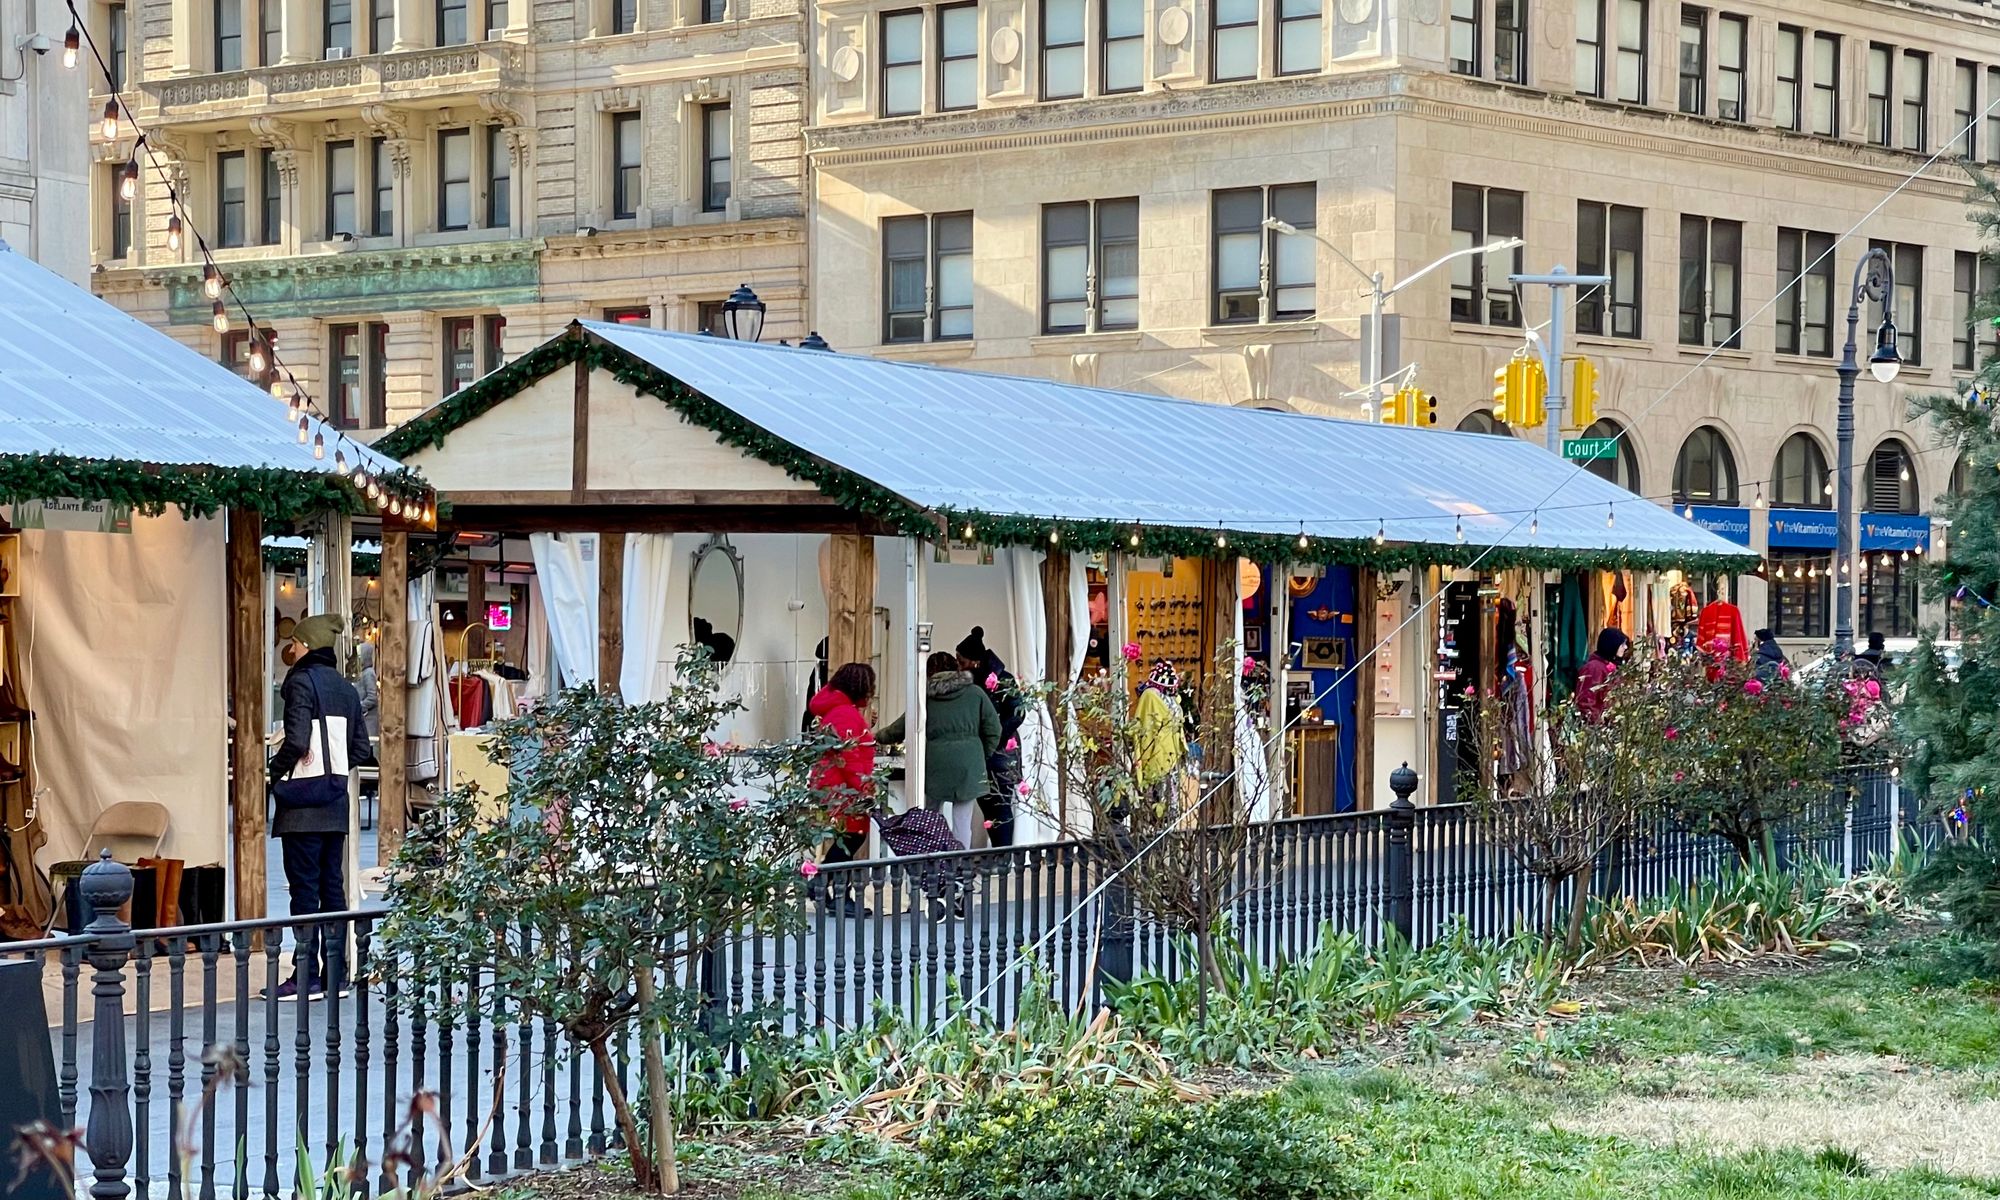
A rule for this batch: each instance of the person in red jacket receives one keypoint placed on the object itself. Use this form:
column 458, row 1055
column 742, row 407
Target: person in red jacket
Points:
column 1612, row 648
column 845, row 775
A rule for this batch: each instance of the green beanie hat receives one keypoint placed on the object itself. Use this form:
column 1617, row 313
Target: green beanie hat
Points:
column 318, row 632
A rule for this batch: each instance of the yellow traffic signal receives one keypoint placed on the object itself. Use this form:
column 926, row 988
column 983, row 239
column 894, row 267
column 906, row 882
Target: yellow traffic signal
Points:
column 1395, row 409
column 1503, row 386
column 1427, row 409
column 1583, row 393
column 1521, row 388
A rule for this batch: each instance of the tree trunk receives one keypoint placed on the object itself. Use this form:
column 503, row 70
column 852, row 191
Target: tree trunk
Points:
column 659, row 1102
column 1579, row 900
column 643, row 1176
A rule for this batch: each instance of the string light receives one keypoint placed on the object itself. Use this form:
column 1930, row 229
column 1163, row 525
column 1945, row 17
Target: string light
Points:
column 339, row 461
column 110, row 125
column 1458, row 529
column 1221, row 539
column 1055, row 535
column 174, row 232
column 1844, row 565
column 71, row 41
column 1689, row 513
column 1135, row 537
column 128, row 176
column 319, row 446
column 257, row 359
column 1610, row 516
column 1303, row 542
column 1759, row 501
column 304, row 429
column 1535, row 526
column 221, row 317
column 1381, row 533
column 374, row 488
column 968, row 531
column 211, row 280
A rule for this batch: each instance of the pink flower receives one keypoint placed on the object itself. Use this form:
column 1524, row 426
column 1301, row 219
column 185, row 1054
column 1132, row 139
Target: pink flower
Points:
column 712, row 749
column 1678, row 776
column 1249, row 665
column 1873, row 689
column 1754, row 686
column 992, row 681
column 738, row 804
column 1672, row 733
column 1720, row 645
column 1784, row 670
column 1023, row 788
column 1012, row 744
column 987, row 825
column 1471, row 690
column 1132, row 652
column 809, row 868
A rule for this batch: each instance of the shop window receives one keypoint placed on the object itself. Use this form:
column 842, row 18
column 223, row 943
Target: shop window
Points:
column 349, row 399
column 1826, row 85
column 1908, row 264
column 232, row 183
column 1805, row 293
column 1888, row 594
column 1622, row 470
column 1062, row 49
column 1694, row 61
column 625, row 166
column 1480, row 293
column 1705, row 470
column 1889, row 485
column 1965, row 109
column 228, row 35
column 1732, row 54
column 638, row 315
column 1090, row 266
column 340, row 187
column 958, row 57
column 927, row 277
column 902, row 63
column 1711, row 282
column 1788, row 98
column 1261, row 274
column 1232, row 40
column 461, row 352
column 499, row 179
column 1801, row 587
column 1610, row 240
column 715, row 157
column 454, row 179
column 1975, row 279
column 1879, row 60
column 1298, row 36
column 1799, row 479
column 1123, row 52
column 1916, row 81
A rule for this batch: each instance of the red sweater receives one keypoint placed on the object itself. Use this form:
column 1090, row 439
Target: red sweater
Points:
column 845, row 775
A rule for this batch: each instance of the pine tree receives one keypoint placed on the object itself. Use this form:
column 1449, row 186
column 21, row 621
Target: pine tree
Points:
column 1952, row 720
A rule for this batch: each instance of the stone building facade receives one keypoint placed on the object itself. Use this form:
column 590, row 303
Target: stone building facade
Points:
column 44, row 165
column 406, row 193
column 1078, row 189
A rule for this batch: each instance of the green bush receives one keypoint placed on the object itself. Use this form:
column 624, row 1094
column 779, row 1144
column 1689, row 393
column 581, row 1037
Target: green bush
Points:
column 1100, row 1144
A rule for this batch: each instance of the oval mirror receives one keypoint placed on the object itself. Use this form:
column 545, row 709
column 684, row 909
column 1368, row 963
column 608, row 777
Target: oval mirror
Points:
column 715, row 598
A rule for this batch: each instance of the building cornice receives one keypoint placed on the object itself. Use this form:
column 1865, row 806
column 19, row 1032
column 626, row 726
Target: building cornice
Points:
column 631, row 243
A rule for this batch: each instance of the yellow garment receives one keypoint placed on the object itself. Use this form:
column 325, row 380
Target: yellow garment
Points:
column 1159, row 741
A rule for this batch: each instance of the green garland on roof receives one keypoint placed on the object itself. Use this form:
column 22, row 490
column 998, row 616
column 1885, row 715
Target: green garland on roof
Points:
column 198, row 491
column 858, row 495
column 291, row 558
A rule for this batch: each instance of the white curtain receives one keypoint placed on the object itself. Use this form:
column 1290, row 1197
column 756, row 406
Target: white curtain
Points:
column 1252, row 773
column 570, row 587
column 655, row 625
column 424, row 693
column 1034, row 819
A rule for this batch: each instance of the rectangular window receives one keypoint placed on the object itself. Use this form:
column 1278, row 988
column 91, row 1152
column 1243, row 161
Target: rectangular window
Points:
column 493, row 345
column 1262, row 274
column 337, row 41
column 624, row 166
column 1826, row 85
column 958, row 56
column 1232, row 40
column 1631, row 51
column 269, row 199
column 1465, row 36
column 624, row 16
column 1975, row 278
column 1888, row 595
column 350, row 404
column 1589, row 79
column 1993, row 115
column 340, row 184
column 271, row 31
column 1732, row 52
column 927, row 274
column 708, row 315
column 232, row 189
column 496, row 16
column 384, row 26
column 499, row 179
column 461, row 355
column 451, row 22
column 1711, row 282
column 382, row 179
column 713, row 12
column 1610, row 241
column 1510, row 41
column 1788, row 104
column 1480, row 293
column 715, row 160
column 902, row 63
column 1090, row 266
column 121, row 218
column 1298, row 36
column 454, row 179
column 1965, row 109
column 229, row 35
column 1907, row 262
column 640, row 315
column 235, row 352
column 1694, row 61
column 1916, row 83
column 378, row 376
column 1062, row 49
column 1878, row 93
column 1805, row 293
column 114, row 35
column 1124, row 45
column 1799, row 602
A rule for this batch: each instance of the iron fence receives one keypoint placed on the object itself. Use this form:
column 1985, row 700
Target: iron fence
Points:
column 202, row 1082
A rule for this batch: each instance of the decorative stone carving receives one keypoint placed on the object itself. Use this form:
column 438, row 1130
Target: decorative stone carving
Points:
column 203, row 89
column 705, row 91
column 846, row 64
column 313, row 77
column 502, row 108
column 1175, row 25
column 609, row 100
column 384, row 121
column 1083, row 369
column 1006, row 45
column 1257, row 368
column 287, row 163
column 273, row 133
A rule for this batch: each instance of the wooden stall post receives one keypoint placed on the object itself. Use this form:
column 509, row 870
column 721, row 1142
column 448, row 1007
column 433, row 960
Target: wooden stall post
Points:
column 1219, row 607
column 475, row 612
column 247, row 687
column 610, row 610
column 392, row 669
column 850, row 603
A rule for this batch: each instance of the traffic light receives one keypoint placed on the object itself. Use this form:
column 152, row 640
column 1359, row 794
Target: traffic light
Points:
column 1503, row 386
column 1427, row 409
column 1395, row 409
column 1520, row 388
column 1410, row 406
column 1582, row 393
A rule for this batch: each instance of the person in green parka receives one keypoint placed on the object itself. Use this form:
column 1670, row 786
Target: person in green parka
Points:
column 961, row 731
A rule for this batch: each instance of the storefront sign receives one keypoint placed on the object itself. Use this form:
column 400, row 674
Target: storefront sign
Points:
column 1585, row 449
column 1803, row 528
column 1728, row 523
column 72, row 516
column 1895, row 531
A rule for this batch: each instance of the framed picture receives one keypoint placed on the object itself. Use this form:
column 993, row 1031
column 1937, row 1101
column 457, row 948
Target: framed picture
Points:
column 1253, row 639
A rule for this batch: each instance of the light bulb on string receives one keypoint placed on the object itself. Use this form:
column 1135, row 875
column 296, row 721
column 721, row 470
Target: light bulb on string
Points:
column 1828, row 489
column 1381, row 532
column 71, row 42
column 1458, row 529
column 1303, row 542
column 304, row 429
column 1844, row 565
column 1134, row 540
column 221, row 317
column 257, row 360
column 128, row 177
column 278, row 389
column 174, row 232
column 968, row 531
column 1535, row 526
column 319, row 446
column 1610, row 516
column 211, row 281
column 1221, row 540
column 1759, row 501
column 339, row 461
column 110, row 125
column 1055, row 535
column 395, row 507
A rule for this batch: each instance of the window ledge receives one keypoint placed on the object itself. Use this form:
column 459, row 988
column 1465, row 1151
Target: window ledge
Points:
column 956, row 350
column 1306, row 330
column 1509, row 333
column 1609, row 341
column 1803, row 360
column 1734, row 355
column 1110, row 339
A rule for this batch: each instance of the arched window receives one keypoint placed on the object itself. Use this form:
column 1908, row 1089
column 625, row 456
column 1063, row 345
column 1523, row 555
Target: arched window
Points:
column 1799, row 478
column 1481, row 421
column 1622, row 470
column 1959, row 478
column 1890, row 483
column 1705, row 472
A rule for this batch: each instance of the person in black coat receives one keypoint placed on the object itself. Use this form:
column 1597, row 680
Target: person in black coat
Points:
column 1003, row 766
column 326, row 737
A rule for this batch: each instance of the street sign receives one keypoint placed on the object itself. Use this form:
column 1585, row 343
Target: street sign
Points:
column 1585, row 449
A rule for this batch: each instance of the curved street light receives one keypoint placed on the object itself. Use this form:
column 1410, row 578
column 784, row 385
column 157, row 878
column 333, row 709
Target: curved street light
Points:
column 743, row 315
column 1874, row 279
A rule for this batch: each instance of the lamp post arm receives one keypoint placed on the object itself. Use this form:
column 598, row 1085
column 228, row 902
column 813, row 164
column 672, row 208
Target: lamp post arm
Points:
column 1489, row 248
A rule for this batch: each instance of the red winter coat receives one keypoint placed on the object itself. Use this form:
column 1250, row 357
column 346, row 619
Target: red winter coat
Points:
column 845, row 775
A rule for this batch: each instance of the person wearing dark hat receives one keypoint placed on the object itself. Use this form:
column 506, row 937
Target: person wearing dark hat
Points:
column 1770, row 664
column 1003, row 766
column 1594, row 680
column 326, row 738
column 1875, row 654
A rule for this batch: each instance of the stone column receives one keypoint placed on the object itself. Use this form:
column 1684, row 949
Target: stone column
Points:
column 300, row 39
column 413, row 24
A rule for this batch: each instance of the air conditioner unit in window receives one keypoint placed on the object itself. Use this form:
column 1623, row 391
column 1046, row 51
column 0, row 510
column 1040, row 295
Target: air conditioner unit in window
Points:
column 333, row 52
column 494, row 35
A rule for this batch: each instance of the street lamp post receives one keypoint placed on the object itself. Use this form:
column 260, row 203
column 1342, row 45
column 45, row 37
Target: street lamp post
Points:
column 1379, row 297
column 743, row 315
column 1874, row 279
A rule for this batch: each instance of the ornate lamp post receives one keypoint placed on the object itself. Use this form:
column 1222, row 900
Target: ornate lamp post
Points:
column 1874, row 279
column 743, row 315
